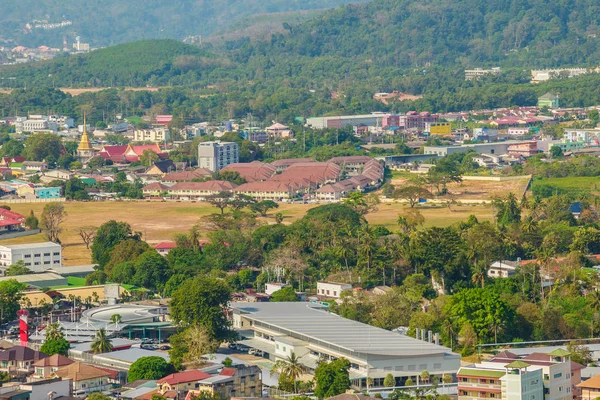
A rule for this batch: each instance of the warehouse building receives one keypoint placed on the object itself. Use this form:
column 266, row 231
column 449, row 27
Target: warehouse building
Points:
column 312, row 333
column 38, row 257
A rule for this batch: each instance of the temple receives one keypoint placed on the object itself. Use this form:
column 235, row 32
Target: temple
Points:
column 85, row 151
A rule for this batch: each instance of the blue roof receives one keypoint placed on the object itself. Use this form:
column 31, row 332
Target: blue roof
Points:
column 576, row 207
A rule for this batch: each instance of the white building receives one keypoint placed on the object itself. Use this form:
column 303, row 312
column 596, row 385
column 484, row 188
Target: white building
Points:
column 518, row 131
column 331, row 289
column 514, row 381
column 478, row 72
column 217, row 155
column 38, row 257
column 272, row 287
column 156, row 135
column 35, row 124
column 313, row 333
column 547, row 74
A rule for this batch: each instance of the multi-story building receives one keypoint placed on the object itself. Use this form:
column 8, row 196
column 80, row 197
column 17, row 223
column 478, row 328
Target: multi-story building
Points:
column 514, row 381
column 313, row 333
column 331, row 289
column 217, row 155
column 341, row 121
column 34, row 124
column 547, row 74
column 38, row 257
column 548, row 100
column 476, row 73
column 156, row 135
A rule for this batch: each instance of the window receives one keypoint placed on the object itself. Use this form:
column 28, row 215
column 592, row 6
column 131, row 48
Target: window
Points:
column 556, row 376
column 56, row 261
column 46, row 254
column 37, row 255
column 27, row 264
column 46, row 262
column 27, row 255
column 56, row 253
column 464, row 380
column 36, row 263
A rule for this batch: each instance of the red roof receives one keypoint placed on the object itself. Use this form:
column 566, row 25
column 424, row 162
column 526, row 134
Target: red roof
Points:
column 165, row 246
column 155, row 186
column 11, row 215
column 205, row 186
column 9, row 222
column 227, row 372
column 112, row 372
column 252, row 172
column 113, row 151
column 184, row 377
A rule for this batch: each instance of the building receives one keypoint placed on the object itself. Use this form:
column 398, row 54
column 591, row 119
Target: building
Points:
column 36, row 124
column 217, row 155
column 238, row 381
column 514, row 381
column 199, row 191
column 272, row 287
column 548, row 100
column 587, row 136
column 518, row 131
column 129, row 153
column 19, row 360
column 163, row 248
column 10, row 221
column 187, row 176
column 161, row 168
column 276, row 191
column 547, row 74
column 476, row 73
column 252, row 172
column 284, row 163
column 339, row 122
column 331, row 289
column 85, row 378
column 85, row 151
column 502, row 269
column 156, row 135
column 279, row 131
column 38, row 257
column 312, row 332
column 35, row 166
column 410, row 121
column 438, row 128
column 45, row 367
column 39, row 390
column 181, row 381
column 497, row 148
column 590, row 389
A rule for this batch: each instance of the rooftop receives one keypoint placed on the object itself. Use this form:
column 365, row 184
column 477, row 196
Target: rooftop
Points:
column 32, row 246
column 486, row 373
column 313, row 322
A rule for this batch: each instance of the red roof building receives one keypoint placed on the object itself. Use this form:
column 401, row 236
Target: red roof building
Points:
column 199, row 190
column 128, row 153
column 252, row 172
column 187, row 176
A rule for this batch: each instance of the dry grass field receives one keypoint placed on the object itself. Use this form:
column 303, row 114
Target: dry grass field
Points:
column 161, row 220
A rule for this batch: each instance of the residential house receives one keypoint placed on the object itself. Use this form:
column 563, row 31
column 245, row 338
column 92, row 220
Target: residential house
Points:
column 86, row 378
column 187, row 176
column 161, row 168
column 576, row 208
column 155, row 189
column 351, row 164
column 181, row 381
column 19, row 360
column 10, row 221
column 285, row 163
column 163, row 248
column 502, row 269
column 199, row 191
column 156, row 135
column 332, row 289
column 278, row 130
column 590, row 389
column 45, row 367
column 35, row 166
column 239, row 381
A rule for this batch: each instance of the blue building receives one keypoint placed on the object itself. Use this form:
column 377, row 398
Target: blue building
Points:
column 47, row 192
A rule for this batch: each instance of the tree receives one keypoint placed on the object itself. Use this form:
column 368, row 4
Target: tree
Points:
column 116, row 319
column 12, row 148
column 219, row 200
column 285, row 294
column 556, row 151
column 279, row 218
column 10, row 295
column 580, row 354
column 262, row 207
column 87, row 234
column 55, row 341
column 389, row 381
column 409, row 382
column 409, row 220
column 362, row 204
column 96, row 278
column 42, row 146
column 291, row 368
column 101, row 342
column 201, row 301
column 128, row 250
column 148, row 157
column 151, row 271
column 98, row 396
column 332, row 378
column 149, row 368
column 31, row 222
column 191, row 345
column 413, row 194
column 17, row 268
column 109, row 235
column 51, row 220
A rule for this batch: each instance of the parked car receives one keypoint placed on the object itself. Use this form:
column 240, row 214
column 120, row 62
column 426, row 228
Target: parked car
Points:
column 255, row 352
column 165, row 347
column 242, row 348
column 233, row 346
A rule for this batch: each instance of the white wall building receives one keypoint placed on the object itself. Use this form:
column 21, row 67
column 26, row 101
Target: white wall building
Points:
column 38, row 257
column 156, row 135
column 518, row 131
column 331, row 289
column 272, row 287
column 313, row 333
column 217, row 155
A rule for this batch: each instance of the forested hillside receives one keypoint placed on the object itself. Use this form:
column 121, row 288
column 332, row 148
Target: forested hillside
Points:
column 111, row 22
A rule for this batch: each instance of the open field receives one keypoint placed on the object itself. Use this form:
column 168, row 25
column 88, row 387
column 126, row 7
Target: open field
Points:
column 471, row 189
column 589, row 184
column 161, row 220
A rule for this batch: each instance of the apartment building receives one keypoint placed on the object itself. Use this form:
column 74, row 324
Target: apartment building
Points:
column 157, row 135
column 332, row 289
column 515, row 381
column 38, row 257
column 217, row 155
column 476, row 73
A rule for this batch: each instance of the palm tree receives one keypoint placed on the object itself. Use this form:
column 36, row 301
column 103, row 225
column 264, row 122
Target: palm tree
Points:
column 116, row 319
column 101, row 342
column 290, row 368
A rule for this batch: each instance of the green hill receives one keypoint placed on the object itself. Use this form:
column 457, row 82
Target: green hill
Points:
column 141, row 63
column 110, row 22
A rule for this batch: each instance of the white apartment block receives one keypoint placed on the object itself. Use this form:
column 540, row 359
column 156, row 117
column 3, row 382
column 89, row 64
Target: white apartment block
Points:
column 331, row 289
column 38, row 257
column 217, row 155
column 157, row 135
column 477, row 72
column 514, row 381
column 34, row 124
column 547, row 74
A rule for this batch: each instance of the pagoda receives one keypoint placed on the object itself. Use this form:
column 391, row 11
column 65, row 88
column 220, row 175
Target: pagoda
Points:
column 85, row 151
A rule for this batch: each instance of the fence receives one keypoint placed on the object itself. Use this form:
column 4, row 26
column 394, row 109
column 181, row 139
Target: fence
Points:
column 17, row 234
column 25, row 201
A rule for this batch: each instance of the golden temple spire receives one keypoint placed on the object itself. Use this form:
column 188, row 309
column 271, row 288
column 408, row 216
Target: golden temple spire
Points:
column 84, row 143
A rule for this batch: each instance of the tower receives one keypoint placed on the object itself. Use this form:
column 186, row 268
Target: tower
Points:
column 85, row 151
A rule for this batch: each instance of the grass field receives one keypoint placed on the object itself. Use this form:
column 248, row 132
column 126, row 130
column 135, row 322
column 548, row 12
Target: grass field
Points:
column 161, row 220
column 589, row 184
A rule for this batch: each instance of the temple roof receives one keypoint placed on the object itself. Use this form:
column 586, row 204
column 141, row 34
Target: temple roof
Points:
column 84, row 143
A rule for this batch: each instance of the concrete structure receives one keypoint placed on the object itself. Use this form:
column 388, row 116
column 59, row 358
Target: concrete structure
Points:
column 514, row 381
column 438, row 128
column 497, row 148
column 238, row 381
column 85, row 378
column 331, row 289
column 40, row 280
column 548, row 100
column 38, row 257
column 217, row 155
column 272, row 287
column 502, row 269
column 39, row 390
column 312, row 333
column 156, row 135
column 476, row 73
column 547, row 74
column 341, row 121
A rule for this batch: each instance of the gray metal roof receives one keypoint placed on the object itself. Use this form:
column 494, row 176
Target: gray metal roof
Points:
column 131, row 355
column 314, row 324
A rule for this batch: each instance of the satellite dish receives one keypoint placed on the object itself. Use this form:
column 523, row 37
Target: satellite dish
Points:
column 56, row 306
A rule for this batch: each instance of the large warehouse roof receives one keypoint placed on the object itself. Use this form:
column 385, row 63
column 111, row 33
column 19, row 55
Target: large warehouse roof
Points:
column 313, row 323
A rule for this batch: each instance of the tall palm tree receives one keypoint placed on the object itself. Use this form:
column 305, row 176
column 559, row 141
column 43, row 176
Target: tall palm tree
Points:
column 290, row 368
column 101, row 342
column 116, row 319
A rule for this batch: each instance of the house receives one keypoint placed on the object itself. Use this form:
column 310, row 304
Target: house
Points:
column 181, row 381
column 548, row 100
column 239, row 381
column 163, row 248
column 187, row 176
column 502, row 269
column 10, row 221
column 58, row 174
column 576, row 209
column 154, row 189
column 351, row 164
column 35, row 166
column 19, row 360
column 199, row 190
column 86, row 378
column 161, row 168
column 276, row 191
column 272, row 287
column 285, row 163
column 46, row 366
column 590, row 389
column 255, row 171
column 332, row 289
column 332, row 191
column 279, row 131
